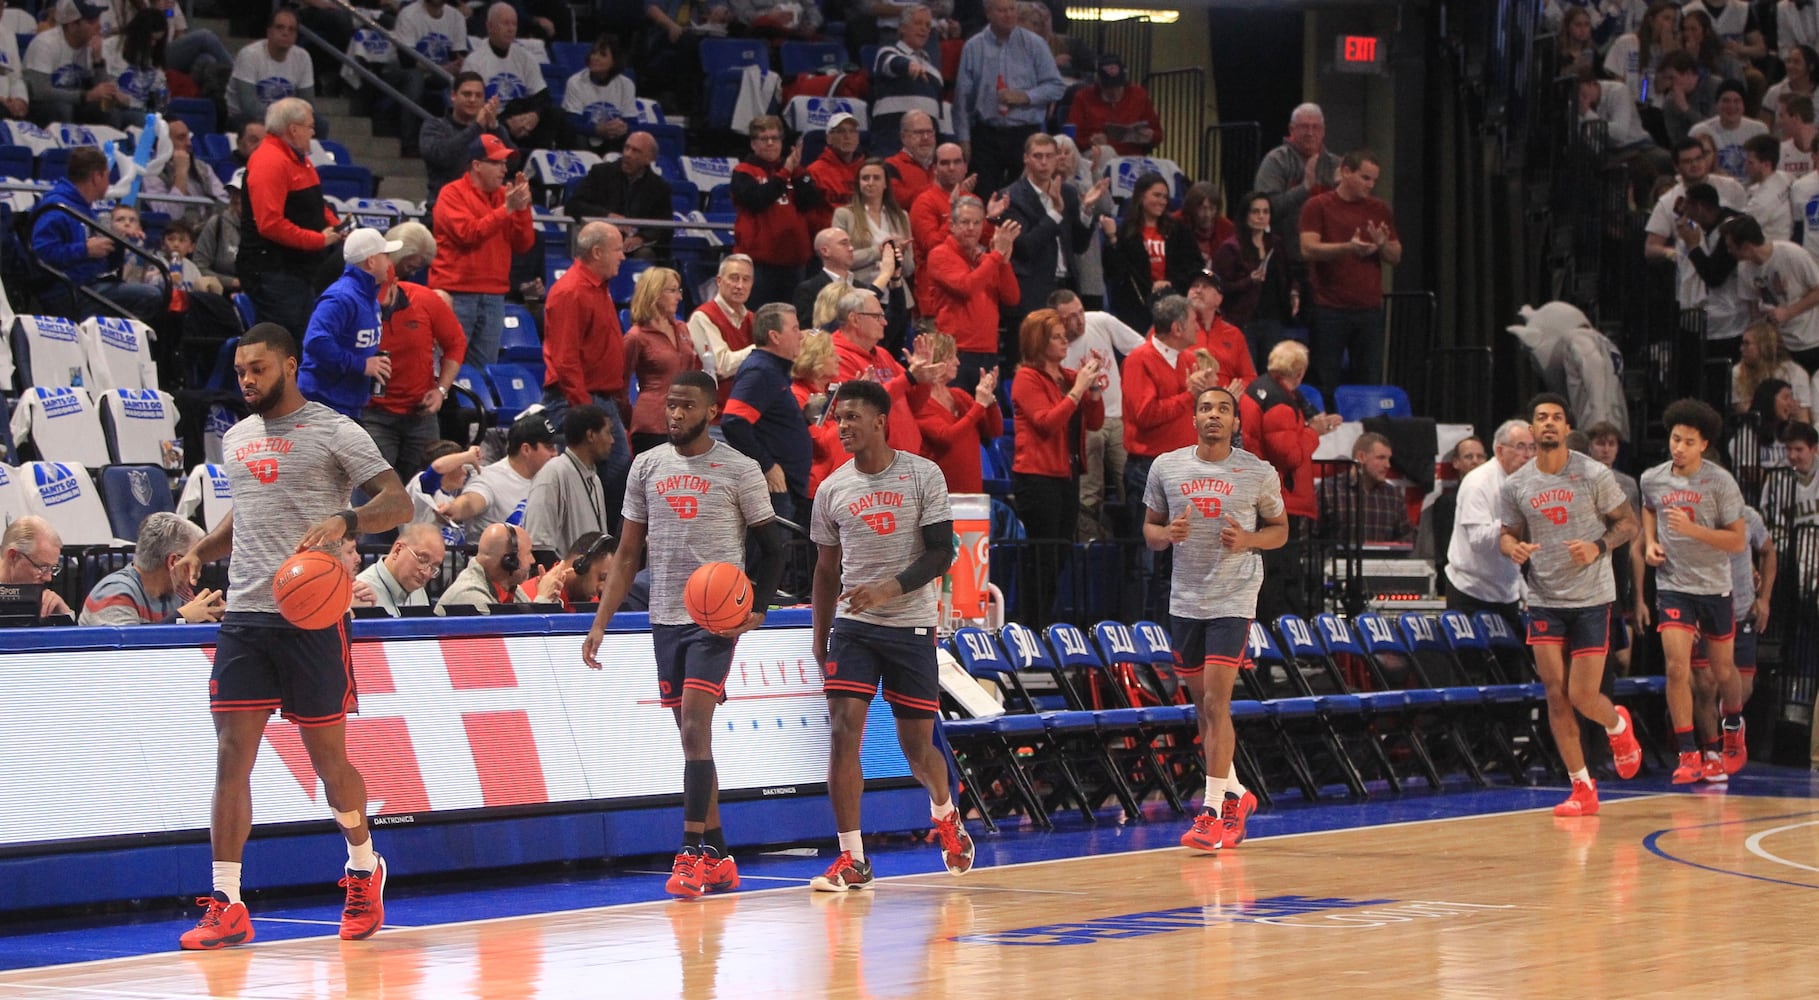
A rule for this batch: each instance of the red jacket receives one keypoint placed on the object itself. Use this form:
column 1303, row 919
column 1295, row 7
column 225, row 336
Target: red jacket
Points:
column 1227, row 345
column 930, row 219
column 423, row 321
column 768, row 227
column 908, row 178
column 952, row 440
column 1275, row 429
column 966, row 295
column 836, row 180
column 825, row 436
column 1158, row 409
column 583, row 347
column 878, row 366
column 283, row 207
column 475, row 239
column 1090, row 115
column 654, row 359
column 1041, row 411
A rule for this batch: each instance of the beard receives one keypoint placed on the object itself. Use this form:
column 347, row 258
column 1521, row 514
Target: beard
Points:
column 688, row 434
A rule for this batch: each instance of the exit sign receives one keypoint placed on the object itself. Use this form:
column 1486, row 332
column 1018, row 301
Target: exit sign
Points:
column 1360, row 54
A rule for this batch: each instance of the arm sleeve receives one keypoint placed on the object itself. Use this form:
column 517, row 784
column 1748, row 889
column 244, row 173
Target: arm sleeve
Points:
column 937, row 555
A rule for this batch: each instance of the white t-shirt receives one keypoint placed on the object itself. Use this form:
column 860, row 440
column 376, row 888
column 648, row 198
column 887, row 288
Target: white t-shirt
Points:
column 1795, row 162
column 1789, row 372
column 1795, row 26
column 1769, row 205
column 1691, row 291
column 438, row 37
column 1727, row 313
column 136, row 83
column 1789, row 274
column 12, row 70
column 1772, row 98
column 51, row 54
column 1106, row 334
column 1624, row 61
column 1803, row 203
column 505, row 493
column 273, row 79
column 508, row 77
column 595, row 103
column 1729, row 141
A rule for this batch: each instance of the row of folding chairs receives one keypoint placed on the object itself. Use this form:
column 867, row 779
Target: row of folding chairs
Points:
column 1320, row 705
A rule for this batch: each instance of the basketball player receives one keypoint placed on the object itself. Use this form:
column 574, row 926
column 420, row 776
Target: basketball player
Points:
column 292, row 465
column 1217, row 506
column 885, row 534
column 692, row 501
column 1692, row 521
column 1751, row 612
column 1563, row 513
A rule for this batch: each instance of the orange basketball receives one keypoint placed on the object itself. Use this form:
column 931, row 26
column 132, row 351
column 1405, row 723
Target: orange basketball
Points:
column 718, row 596
column 313, row 590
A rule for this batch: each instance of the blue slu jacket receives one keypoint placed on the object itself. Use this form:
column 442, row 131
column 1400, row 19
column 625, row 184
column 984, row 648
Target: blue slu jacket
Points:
column 343, row 332
column 62, row 242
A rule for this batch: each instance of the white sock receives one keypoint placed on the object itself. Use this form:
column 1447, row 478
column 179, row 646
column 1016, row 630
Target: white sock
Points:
column 227, row 879
column 1618, row 728
column 1233, row 786
column 1582, row 776
column 360, row 857
column 943, row 810
column 851, row 843
column 1215, row 791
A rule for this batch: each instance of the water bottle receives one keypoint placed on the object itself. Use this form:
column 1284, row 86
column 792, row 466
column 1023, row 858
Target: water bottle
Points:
column 379, row 380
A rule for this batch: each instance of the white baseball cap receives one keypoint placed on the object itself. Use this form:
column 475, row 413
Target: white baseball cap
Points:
column 363, row 243
column 840, row 118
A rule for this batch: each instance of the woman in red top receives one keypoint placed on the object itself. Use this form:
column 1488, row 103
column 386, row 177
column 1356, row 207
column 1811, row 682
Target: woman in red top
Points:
column 1053, row 409
column 810, row 376
column 955, row 422
column 656, row 348
column 1136, row 255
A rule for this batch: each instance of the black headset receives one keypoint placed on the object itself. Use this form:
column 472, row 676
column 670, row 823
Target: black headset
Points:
column 593, row 552
column 509, row 561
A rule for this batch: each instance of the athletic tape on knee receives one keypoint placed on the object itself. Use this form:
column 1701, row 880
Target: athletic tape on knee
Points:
column 698, row 780
column 348, row 820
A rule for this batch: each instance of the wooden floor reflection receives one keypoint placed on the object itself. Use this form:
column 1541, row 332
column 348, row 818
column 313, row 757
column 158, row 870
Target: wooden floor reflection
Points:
column 1661, row 895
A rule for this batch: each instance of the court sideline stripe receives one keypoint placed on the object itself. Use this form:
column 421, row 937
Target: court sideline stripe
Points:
column 482, row 921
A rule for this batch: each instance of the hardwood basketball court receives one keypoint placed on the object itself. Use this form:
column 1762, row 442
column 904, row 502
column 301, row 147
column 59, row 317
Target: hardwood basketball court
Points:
column 1704, row 894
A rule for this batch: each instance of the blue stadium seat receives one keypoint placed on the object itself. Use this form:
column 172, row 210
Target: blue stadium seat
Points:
column 684, row 196
column 671, row 139
column 997, row 478
column 720, row 202
column 728, row 58
column 343, row 157
column 16, row 162
column 622, row 283
column 1313, row 397
column 346, row 181
column 517, row 388
column 570, row 57
column 519, row 341
column 243, row 306
column 1355, row 402
column 811, row 57
column 53, row 164
column 131, row 493
column 196, row 112
column 213, row 146
column 475, row 381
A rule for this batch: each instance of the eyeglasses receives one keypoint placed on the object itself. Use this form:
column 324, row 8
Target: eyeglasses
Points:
column 872, row 315
column 422, row 560
column 49, row 572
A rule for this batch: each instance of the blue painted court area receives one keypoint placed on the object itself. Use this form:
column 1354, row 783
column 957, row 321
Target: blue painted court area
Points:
column 428, row 901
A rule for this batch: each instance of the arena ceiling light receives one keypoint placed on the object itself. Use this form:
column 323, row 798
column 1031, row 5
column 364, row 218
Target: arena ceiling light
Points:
column 1122, row 14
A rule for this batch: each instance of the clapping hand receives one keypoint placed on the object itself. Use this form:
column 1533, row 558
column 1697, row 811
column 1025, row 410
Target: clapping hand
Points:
column 986, row 391
column 518, row 195
column 1006, row 237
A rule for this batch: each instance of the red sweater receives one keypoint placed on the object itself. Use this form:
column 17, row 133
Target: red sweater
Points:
column 1041, row 410
column 930, row 218
column 908, row 178
column 836, row 180
column 583, row 347
column 422, row 322
column 1090, row 115
column 1276, row 431
column 654, row 359
column 878, row 366
column 966, row 295
column 1227, row 345
column 825, row 436
column 1158, row 410
column 475, row 239
column 952, row 440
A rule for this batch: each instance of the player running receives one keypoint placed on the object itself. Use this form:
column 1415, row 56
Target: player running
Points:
column 1218, row 506
column 1692, row 522
column 292, row 464
column 886, row 534
column 693, row 500
column 1563, row 513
